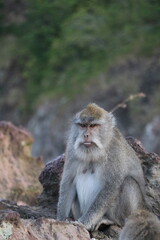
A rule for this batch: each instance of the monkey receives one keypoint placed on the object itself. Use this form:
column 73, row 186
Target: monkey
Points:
column 102, row 179
column 141, row 225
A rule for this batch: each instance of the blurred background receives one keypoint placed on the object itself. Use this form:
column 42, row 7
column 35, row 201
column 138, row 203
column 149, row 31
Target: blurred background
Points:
column 57, row 56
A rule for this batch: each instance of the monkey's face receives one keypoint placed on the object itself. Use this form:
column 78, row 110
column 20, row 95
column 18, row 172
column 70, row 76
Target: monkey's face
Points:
column 90, row 134
column 89, row 144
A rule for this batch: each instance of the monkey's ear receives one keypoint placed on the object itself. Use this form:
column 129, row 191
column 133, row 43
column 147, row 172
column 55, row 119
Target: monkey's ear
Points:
column 112, row 118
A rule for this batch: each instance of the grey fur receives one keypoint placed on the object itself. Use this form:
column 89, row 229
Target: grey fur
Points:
column 142, row 225
column 108, row 175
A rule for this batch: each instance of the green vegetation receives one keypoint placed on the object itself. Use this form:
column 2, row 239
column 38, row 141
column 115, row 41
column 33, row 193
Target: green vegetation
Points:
column 62, row 44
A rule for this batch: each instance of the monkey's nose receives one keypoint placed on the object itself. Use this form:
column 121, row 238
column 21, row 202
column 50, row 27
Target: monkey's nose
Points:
column 86, row 137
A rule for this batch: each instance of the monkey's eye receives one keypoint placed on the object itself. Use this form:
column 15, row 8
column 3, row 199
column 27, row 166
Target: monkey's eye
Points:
column 82, row 125
column 94, row 125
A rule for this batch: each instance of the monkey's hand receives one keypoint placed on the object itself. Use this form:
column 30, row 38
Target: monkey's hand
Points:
column 61, row 218
column 76, row 223
column 88, row 224
column 69, row 219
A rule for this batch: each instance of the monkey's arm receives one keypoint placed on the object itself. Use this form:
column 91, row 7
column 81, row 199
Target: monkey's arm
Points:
column 66, row 196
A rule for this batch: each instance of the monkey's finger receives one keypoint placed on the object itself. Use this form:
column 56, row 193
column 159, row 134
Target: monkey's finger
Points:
column 76, row 223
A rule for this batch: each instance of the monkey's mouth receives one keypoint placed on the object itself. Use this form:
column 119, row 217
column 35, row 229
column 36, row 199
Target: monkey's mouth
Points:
column 88, row 144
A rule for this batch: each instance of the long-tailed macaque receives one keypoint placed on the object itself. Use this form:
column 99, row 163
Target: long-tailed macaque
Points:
column 141, row 225
column 102, row 180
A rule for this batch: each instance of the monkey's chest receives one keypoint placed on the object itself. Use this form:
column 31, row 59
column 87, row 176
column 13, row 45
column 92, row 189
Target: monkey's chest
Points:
column 87, row 187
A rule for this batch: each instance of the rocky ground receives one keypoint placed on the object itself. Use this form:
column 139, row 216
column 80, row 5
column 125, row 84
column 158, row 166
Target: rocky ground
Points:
column 21, row 217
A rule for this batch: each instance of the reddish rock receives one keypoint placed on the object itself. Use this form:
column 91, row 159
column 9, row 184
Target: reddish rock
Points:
column 12, row 227
column 18, row 170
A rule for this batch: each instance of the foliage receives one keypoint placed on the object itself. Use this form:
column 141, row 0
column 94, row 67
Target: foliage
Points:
column 64, row 43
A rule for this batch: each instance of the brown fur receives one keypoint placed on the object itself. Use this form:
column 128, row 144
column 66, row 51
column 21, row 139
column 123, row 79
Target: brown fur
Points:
column 93, row 110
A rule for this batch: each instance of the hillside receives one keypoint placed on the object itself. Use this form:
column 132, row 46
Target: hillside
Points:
column 65, row 54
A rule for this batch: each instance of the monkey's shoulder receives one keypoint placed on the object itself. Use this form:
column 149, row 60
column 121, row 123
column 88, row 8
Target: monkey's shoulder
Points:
column 120, row 144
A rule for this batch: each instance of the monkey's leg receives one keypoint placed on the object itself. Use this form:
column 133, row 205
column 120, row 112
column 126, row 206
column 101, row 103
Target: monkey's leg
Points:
column 130, row 199
column 115, row 203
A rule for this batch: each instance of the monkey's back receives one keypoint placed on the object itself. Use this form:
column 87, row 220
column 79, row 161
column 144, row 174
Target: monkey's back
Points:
column 125, row 155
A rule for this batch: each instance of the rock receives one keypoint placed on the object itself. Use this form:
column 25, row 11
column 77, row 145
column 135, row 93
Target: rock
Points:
column 26, row 212
column 13, row 227
column 49, row 140
column 50, row 178
column 18, row 170
column 151, row 135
